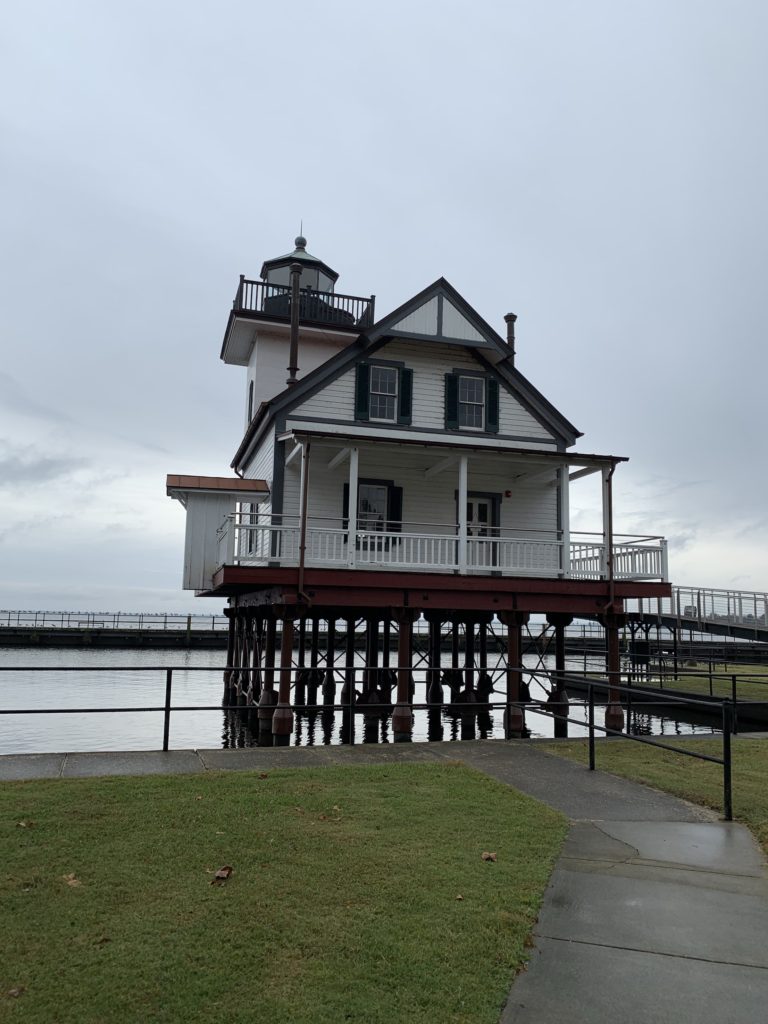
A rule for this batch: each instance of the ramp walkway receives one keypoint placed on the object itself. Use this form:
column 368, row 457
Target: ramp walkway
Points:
column 738, row 613
column 656, row 911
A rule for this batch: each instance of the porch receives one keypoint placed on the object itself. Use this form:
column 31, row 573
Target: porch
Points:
column 439, row 505
column 244, row 540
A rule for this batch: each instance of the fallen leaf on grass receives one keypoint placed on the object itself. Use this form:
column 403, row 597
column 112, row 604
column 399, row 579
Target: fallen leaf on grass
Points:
column 459, row 897
column 16, row 992
column 198, row 798
column 72, row 879
column 25, row 824
column 102, row 940
column 222, row 875
column 221, row 833
column 489, row 856
column 263, row 775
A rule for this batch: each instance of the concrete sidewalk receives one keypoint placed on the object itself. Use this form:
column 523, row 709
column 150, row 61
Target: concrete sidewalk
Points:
column 656, row 911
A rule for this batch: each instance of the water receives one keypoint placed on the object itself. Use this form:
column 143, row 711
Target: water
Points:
column 137, row 687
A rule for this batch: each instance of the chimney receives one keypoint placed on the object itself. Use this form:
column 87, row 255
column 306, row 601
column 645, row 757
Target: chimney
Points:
column 509, row 319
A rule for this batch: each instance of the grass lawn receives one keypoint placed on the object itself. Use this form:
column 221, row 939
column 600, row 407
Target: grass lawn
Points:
column 697, row 781
column 358, row 894
column 751, row 683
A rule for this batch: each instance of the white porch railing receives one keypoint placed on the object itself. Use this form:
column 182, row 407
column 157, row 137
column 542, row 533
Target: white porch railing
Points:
column 436, row 549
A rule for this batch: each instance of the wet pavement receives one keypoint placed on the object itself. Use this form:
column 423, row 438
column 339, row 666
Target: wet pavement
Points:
column 656, row 910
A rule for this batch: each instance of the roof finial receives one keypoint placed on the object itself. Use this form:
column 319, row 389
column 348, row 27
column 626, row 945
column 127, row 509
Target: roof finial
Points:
column 301, row 242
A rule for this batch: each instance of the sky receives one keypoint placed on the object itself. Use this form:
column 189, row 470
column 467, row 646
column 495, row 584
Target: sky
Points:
column 597, row 168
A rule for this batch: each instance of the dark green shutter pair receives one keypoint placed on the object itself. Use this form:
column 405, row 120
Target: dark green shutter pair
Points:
column 452, row 403
column 363, row 393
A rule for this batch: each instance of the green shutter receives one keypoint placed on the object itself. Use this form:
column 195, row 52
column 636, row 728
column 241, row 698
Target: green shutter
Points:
column 395, row 510
column 492, row 405
column 345, row 507
column 405, row 396
column 362, row 391
column 451, row 401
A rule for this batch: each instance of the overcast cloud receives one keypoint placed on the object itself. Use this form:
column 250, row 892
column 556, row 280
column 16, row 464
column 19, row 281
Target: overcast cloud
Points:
column 597, row 168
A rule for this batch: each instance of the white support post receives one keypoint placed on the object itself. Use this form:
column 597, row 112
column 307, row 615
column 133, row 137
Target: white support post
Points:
column 565, row 522
column 462, row 501
column 664, row 561
column 352, row 510
column 231, row 529
column 607, row 531
column 303, row 481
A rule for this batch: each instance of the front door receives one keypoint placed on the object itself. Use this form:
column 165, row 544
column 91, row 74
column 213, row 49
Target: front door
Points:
column 482, row 529
column 478, row 517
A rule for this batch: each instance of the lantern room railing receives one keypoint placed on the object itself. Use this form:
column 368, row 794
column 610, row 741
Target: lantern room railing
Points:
column 273, row 301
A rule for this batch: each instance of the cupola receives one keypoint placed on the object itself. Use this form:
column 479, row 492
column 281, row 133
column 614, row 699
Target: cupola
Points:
column 314, row 273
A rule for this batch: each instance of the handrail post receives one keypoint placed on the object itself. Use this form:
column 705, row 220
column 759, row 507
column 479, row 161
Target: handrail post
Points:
column 591, row 727
column 727, row 792
column 351, row 697
column 734, row 699
column 167, row 709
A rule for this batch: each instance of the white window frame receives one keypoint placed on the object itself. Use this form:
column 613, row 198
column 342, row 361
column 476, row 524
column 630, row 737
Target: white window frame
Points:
column 481, row 404
column 375, row 367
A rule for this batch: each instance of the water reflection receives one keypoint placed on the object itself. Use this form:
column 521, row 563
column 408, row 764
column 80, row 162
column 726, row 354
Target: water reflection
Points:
column 459, row 717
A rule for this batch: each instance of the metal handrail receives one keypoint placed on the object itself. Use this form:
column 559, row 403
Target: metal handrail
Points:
column 153, row 621
column 334, row 308
column 609, row 683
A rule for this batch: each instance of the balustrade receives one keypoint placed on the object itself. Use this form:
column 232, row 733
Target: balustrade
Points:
column 436, row 550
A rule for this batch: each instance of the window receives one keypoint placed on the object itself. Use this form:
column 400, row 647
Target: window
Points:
column 372, row 506
column 379, row 507
column 383, row 393
column 472, row 402
column 249, row 518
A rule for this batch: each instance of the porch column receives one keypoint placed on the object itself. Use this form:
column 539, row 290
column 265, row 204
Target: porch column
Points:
column 606, row 571
column 514, row 718
column 565, row 521
column 282, row 719
column 303, row 506
column 352, row 509
column 462, row 501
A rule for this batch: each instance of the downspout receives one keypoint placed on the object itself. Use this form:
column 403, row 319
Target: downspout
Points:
column 303, row 521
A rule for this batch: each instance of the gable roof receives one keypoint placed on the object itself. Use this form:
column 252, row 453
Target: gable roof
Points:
column 437, row 314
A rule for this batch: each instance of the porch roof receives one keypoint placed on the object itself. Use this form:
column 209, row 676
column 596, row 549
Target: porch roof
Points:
column 457, row 444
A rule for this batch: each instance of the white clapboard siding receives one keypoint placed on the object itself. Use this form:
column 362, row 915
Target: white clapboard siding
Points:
column 426, row 502
column 261, row 466
column 429, row 362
